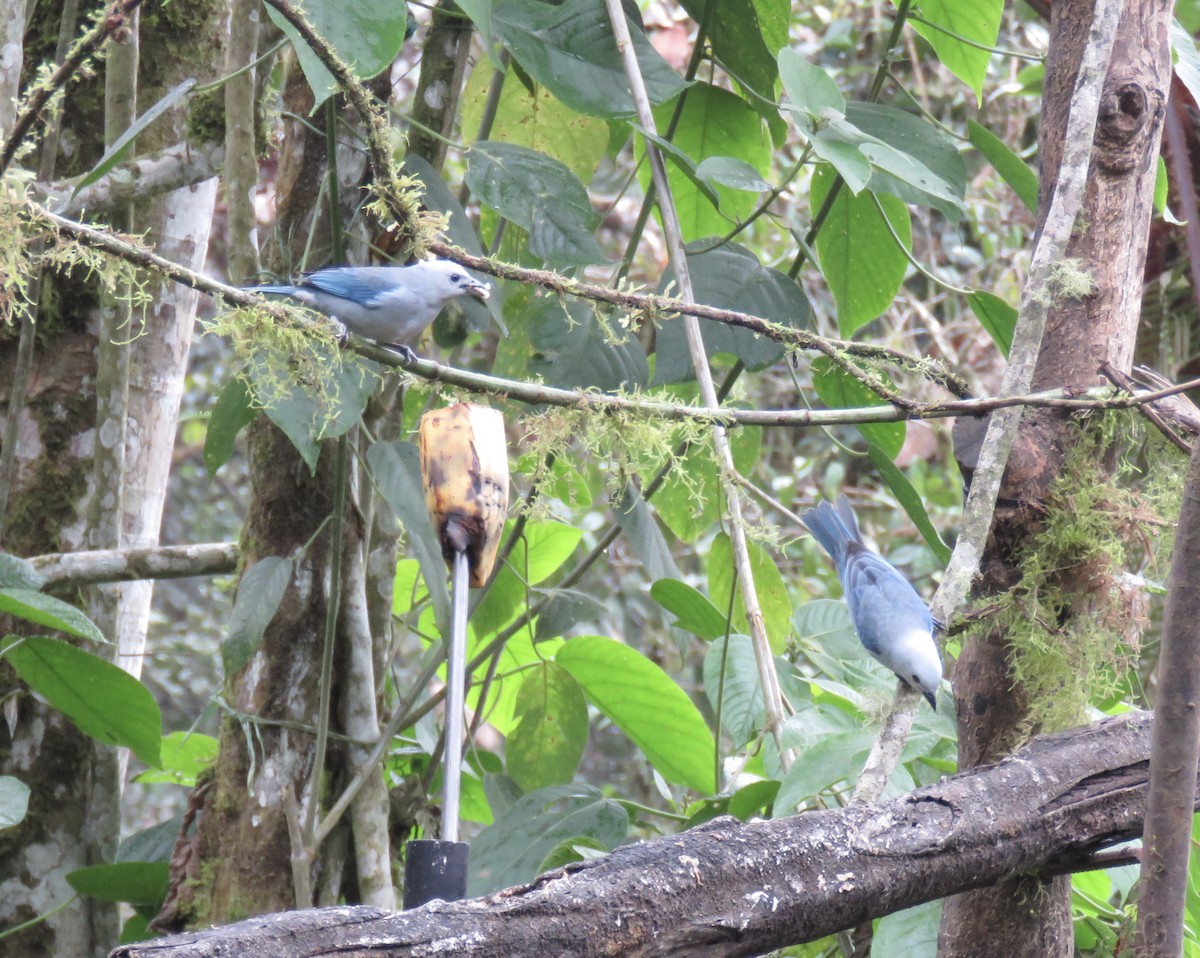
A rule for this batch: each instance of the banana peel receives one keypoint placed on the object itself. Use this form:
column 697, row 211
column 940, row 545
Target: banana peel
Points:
column 464, row 472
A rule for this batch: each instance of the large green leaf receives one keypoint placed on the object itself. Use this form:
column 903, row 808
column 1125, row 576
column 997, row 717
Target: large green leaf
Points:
column 367, row 35
column 102, row 700
column 745, row 34
column 859, row 259
column 646, row 704
column 570, row 347
column 729, row 277
column 1012, row 169
column 839, row 390
column 810, row 89
column 570, row 49
column 306, row 418
column 540, row 195
column 996, row 316
column 259, row 593
column 912, row 159
column 907, row 496
column 833, row 759
column 551, row 731
column 537, row 121
column 739, row 691
column 139, row 883
column 713, row 123
column 511, row 849
column 912, row 932
column 773, row 598
column 46, row 610
column 693, row 611
column 232, row 412
column 184, row 756
column 396, row 470
column 564, row 609
column 645, row 537
column 966, row 27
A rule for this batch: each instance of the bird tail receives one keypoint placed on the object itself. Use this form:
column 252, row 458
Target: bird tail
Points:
column 834, row 527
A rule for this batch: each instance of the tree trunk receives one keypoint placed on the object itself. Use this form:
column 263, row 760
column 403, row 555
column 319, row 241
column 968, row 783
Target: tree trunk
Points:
column 1082, row 332
column 728, row 888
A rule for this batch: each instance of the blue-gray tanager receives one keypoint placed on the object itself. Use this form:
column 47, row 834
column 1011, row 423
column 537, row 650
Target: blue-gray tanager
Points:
column 389, row 304
column 892, row 622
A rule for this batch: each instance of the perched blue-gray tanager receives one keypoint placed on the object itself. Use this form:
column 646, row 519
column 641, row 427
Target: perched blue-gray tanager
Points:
column 389, row 304
column 892, row 622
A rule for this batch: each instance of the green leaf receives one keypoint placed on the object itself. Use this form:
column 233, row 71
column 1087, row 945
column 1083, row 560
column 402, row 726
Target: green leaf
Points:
column 975, row 20
column 773, row 598
column 1012, row 169
column 564, row 609
column 570, row 346
column 859, row 259
column 646, row 704
column 367, row 35
column 645, row 538
column 396, row 469
column 102, row 700
column 543, row 549
column 123, row 143
column 927, row 147
column 840, row 145
column 907, row 169
column 740, row 696
column 833, row 759
column 753, row 800
column 745, row 35
column 694, row 612
column 259, row 594
column 232, row 412
column 18, row 573
column 732, row 172
column 14, row 801
column 810, row 89
column 729, row 277
column 576, row 849
column 570, row 49
column 713, row 123
column 907, row 496
column 306, row 420
column 184, row 756
column 839, row 390
column 912, row 932
column 48, row 611
column 1186, row 58
column 155, row 843
column 551, row 730
column 540, row 195
column 996, row 317
column 511, row 849
column 139, row 883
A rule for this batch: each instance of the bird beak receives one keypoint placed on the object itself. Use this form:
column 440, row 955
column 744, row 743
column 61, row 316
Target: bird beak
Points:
column 478, row 290
column 932, row 700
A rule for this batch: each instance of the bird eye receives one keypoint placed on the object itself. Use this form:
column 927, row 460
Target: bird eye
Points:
column 455, row 277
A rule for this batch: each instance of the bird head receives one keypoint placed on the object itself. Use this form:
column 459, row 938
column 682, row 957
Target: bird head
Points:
column 453, row 280
column 915, row 661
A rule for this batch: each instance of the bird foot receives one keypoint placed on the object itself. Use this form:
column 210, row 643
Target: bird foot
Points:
column 406, row 354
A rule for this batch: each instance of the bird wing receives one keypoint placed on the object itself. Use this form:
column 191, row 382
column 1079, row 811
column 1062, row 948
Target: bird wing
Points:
column 882, row 602
column 360, row 286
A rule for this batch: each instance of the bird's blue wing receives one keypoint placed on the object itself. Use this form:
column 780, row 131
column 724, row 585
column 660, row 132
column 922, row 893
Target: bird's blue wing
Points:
column 348, row 282
column 830, row 528
column 882, row 602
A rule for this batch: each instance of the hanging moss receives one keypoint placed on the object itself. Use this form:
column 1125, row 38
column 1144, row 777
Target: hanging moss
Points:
column 1075, row 620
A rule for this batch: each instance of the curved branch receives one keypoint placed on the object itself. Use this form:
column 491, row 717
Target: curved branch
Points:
column 728, row 888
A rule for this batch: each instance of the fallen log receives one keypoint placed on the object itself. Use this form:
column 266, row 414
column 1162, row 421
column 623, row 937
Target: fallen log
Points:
column 731, row 888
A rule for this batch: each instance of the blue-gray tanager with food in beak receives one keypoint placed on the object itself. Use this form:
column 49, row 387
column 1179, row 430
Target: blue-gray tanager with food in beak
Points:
column 389, row 304
column 892, row 622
